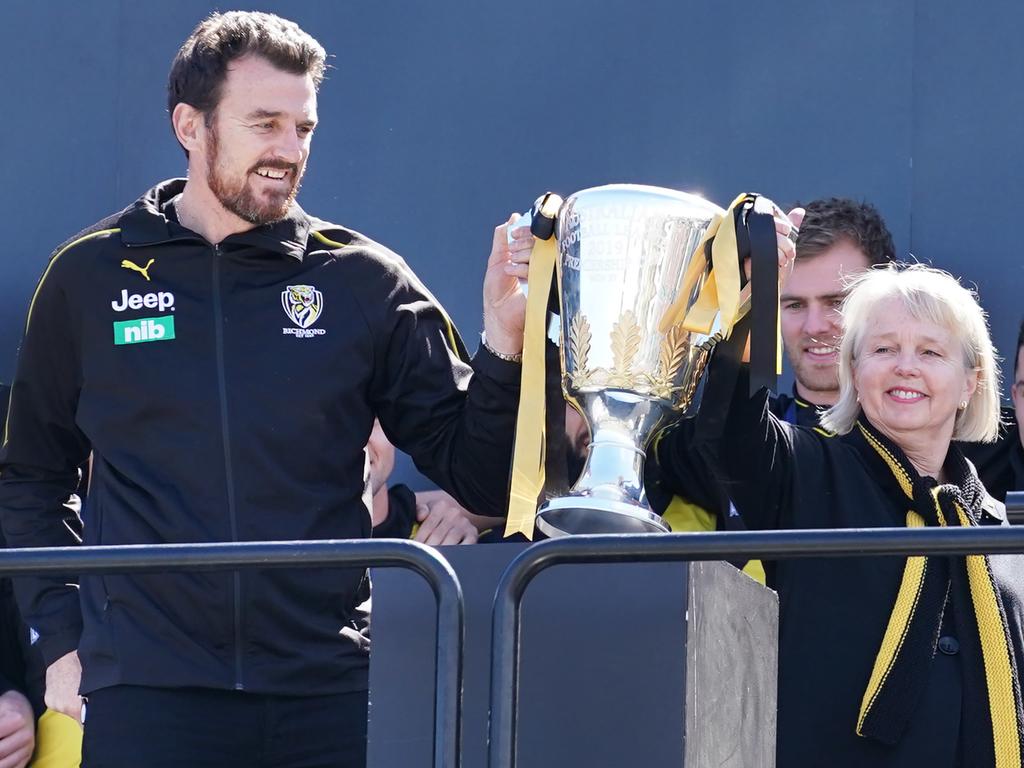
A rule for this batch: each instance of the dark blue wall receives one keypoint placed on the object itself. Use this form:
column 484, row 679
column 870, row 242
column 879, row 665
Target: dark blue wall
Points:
column 472, row 107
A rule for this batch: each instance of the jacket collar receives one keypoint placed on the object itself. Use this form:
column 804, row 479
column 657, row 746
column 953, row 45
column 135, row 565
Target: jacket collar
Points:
column 807, row 414
column 883, row 457
column 796, row 410
column 146, row 223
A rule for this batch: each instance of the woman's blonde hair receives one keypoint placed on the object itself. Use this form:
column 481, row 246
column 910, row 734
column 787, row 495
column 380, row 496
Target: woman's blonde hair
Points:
column 929, row 295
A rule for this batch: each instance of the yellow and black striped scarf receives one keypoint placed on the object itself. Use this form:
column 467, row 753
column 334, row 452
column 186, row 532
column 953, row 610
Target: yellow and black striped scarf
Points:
column 993, row 734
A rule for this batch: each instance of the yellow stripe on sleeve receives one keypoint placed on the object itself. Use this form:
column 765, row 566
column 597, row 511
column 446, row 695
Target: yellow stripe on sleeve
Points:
column 450, row 331
column 53, row 261
column 39, row 285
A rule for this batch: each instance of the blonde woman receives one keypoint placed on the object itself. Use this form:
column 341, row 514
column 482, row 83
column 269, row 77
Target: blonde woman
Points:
column 889, row 661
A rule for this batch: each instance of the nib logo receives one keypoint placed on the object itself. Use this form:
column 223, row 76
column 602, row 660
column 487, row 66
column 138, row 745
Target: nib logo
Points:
column 144, row 329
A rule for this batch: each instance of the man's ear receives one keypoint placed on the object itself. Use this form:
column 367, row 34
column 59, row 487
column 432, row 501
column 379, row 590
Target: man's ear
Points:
column 189, row 124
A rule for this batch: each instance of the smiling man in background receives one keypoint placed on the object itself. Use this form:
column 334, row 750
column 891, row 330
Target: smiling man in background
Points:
column 838, row 238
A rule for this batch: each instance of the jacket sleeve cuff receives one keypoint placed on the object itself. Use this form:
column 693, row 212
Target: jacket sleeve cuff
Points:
column 486, row 363
column 53, row 647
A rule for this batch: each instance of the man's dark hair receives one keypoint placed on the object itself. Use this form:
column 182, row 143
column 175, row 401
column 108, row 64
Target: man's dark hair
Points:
column 1016, row 355
column 201, row 65
column 833, row 220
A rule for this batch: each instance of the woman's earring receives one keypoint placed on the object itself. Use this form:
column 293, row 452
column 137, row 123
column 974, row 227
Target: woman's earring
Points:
column 963, row 405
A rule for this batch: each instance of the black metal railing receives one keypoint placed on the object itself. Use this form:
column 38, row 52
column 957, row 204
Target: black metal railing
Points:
column 770, row 545
column 379, row 553
column 508, row 598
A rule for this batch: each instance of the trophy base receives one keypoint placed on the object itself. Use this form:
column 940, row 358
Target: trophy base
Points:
column 575, row 515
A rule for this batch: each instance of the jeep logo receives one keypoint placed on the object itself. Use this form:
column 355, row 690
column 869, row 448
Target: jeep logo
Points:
column 162, row 301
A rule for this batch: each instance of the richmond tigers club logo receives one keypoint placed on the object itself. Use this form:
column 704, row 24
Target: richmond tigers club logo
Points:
column 303, row 305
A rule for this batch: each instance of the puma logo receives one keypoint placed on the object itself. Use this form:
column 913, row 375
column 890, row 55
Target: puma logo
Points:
column 144, row 271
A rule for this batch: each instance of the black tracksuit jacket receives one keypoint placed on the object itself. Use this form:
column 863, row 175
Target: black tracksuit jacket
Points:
column 226, row 393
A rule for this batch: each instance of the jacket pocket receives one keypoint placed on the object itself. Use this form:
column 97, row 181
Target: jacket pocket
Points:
column 92, row 517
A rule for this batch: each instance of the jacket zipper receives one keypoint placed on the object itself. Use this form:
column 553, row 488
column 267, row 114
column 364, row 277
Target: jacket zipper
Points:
column 218, row 335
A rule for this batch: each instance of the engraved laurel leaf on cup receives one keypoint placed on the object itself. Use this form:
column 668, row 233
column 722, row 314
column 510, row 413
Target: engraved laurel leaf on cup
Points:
column 673, row 350
column 579, row 341
column 626, row 339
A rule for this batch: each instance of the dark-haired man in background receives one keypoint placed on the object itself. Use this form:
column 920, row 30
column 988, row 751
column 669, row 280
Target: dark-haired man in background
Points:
column 222, row 355
column 401, row 513
column 1000, row 464
column 1017, row 454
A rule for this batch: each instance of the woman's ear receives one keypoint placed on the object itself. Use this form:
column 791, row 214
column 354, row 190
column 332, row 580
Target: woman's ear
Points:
column 971, row 381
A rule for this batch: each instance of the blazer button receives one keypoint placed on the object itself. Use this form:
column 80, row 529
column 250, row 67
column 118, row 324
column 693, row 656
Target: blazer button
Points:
column 949, row 645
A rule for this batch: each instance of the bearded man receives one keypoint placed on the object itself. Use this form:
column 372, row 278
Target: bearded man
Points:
column 838, row 238
column 222, row 355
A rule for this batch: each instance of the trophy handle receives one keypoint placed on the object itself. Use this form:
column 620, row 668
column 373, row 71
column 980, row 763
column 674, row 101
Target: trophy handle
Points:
column 542, row 219
column 524, row 220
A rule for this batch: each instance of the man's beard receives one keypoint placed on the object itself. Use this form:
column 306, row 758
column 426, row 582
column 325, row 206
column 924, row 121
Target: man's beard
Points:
column 814, row 378
column 237, row 195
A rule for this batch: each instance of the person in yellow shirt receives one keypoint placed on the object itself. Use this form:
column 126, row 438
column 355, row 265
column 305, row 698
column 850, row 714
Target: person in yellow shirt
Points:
column 28, row 731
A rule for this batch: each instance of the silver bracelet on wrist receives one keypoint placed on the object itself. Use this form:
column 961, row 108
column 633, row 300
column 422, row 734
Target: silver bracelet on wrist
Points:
column 516, row 358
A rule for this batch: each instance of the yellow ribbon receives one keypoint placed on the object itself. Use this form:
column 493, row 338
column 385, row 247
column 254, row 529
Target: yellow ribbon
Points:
column 720, row 293
column 719, row 296
column 528, row 460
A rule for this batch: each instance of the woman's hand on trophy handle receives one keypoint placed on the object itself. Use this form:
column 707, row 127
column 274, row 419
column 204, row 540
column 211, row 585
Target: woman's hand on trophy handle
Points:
column 786, row 228
column 504, row 299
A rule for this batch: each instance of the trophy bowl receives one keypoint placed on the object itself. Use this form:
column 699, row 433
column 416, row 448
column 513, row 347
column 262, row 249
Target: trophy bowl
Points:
column 624, row 258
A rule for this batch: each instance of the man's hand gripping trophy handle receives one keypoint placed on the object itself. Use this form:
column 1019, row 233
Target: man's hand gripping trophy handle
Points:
column 540, row 222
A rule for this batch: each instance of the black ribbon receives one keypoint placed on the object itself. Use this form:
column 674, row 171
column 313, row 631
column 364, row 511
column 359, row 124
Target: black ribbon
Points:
column 764, row 305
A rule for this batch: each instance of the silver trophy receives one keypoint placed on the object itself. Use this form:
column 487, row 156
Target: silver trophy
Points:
column 623, row 253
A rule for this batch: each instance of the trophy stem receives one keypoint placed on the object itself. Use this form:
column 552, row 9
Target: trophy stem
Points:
column 609, row 496
column 614, row 468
